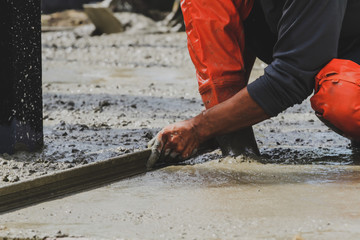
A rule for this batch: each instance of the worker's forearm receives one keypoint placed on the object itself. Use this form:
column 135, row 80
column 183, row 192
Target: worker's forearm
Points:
column 238, row 112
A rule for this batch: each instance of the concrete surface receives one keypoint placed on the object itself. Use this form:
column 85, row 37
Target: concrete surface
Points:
column 108, row 95
column 231, row 199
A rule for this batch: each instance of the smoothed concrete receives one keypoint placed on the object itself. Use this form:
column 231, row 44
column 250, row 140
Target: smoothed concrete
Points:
column 230, row 199
column 107, row 95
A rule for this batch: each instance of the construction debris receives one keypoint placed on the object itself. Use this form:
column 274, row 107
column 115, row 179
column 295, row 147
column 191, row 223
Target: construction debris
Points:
column 67, row 18
column 103, row 19
column 175, row 19
column 105, row 16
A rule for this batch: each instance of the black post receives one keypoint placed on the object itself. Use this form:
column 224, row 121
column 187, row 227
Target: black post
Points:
column 20, row 76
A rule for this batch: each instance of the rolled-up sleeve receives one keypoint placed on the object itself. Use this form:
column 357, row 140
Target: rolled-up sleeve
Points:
column 308, row 38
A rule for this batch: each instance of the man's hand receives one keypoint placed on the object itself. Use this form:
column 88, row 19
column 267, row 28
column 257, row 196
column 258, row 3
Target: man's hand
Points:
column 183, row 138
column 179, row 140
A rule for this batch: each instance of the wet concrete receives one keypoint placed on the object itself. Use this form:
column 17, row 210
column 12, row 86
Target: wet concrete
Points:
column 90, row 115
column 93, row 113
column 108, row 95
column 227, row 199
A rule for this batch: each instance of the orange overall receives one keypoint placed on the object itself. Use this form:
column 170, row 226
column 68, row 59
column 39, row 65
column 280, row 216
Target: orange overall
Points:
column 337, row 97
column 216, row 44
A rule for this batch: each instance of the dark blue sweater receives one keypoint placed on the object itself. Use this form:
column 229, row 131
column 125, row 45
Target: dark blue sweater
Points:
column 309, row 34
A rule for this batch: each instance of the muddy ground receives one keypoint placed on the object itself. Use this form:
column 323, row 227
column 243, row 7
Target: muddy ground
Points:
column 227, row 199
column 108, row 95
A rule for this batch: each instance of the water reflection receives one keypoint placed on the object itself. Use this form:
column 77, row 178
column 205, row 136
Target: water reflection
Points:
column 242, row 172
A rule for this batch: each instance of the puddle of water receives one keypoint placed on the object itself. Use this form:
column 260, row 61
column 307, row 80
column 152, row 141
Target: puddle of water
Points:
column 232, row 172
column 227, row 199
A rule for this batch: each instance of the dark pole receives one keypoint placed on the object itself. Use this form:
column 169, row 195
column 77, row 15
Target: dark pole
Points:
column 20, row 76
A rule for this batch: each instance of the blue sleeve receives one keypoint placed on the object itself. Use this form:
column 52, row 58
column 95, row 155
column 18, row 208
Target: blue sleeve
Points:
column 308, row 38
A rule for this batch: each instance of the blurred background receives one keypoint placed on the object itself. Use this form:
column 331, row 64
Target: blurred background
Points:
column 113, row 16
column 49, row 6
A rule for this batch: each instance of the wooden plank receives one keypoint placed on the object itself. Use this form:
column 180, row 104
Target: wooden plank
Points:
column 70, row 181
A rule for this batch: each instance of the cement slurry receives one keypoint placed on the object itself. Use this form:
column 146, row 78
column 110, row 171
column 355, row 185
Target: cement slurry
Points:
column 227, row 199
column 108, row 95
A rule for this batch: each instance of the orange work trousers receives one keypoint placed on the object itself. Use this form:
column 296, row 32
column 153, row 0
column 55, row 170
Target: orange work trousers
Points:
column 337, row 97
column 216, row 44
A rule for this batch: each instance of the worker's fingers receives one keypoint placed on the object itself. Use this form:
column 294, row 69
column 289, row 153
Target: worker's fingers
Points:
column 151, row 142
column 189, row 151
column 176, row 141
column 174, row 155
column 156, row 144
column 171, row 156
column 182, row 146
column 171, row 151
column 167, row 152
column 154, row 156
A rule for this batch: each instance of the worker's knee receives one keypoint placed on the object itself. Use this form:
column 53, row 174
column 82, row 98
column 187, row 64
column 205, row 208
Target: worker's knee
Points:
column 337, row 97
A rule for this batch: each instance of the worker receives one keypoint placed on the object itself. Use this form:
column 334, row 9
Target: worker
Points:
column 308, row 45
